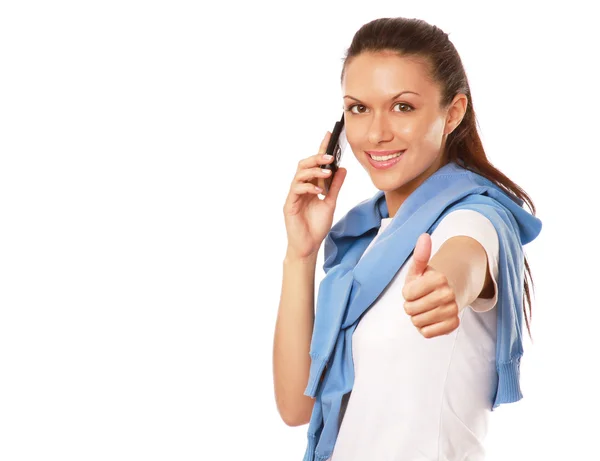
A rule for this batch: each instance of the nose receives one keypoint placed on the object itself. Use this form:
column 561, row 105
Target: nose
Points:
column 380, row 130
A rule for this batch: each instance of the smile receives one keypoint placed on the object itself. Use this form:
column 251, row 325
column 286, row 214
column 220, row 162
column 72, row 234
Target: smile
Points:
column 384, row 160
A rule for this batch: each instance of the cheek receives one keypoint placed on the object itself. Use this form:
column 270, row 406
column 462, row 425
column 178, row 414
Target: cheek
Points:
column 427, row 132
column 354, row 136
column 434, row 133
column 354, row 144
column 422, row 131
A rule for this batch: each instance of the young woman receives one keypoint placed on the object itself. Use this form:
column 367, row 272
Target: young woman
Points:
column 417, row 332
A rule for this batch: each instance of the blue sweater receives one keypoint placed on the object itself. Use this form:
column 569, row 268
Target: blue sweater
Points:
column 352, row 284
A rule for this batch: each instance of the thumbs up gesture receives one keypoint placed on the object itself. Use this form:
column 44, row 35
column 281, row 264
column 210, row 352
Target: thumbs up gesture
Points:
column 429, row 298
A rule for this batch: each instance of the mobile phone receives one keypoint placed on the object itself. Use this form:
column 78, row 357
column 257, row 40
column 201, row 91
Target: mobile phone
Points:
column 337, row 144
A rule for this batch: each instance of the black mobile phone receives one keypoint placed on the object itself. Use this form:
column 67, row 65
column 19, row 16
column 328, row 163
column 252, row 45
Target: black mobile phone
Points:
column 337, row 144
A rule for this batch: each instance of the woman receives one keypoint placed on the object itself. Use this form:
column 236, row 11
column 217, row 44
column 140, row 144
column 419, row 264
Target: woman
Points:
column 409, row 351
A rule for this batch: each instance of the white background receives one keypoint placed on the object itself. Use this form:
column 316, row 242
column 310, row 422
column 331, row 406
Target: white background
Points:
column 146, row 152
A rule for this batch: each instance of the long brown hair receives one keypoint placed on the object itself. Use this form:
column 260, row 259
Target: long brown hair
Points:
column 415, row 37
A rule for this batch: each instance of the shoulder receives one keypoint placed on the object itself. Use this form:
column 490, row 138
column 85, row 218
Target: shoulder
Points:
column 468, row 223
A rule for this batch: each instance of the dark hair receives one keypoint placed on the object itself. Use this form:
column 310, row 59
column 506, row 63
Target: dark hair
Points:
column 417, row 38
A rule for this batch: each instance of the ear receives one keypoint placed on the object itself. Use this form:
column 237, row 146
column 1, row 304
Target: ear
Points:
column 456, row 112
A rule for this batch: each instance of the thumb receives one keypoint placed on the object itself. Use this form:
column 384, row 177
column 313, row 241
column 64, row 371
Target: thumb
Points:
column 421, row 256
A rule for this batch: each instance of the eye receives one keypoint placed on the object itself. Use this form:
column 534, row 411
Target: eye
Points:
column 351, row 108
column 410, row 109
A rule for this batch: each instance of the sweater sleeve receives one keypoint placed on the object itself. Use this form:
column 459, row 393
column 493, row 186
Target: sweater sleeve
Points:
column 474, row 225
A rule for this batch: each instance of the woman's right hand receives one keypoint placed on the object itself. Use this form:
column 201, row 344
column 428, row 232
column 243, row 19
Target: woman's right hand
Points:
column 308, row 219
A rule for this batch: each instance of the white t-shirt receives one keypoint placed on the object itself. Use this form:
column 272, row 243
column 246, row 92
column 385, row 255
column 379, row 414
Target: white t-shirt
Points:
column 417, row 398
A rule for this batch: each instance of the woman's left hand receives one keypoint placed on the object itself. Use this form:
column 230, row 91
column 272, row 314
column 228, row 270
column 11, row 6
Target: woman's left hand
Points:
column 429, row 298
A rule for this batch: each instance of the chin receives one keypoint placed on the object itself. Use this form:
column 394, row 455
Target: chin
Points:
column 388, row 184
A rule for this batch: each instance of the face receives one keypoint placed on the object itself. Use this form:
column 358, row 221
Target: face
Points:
column 394, row 123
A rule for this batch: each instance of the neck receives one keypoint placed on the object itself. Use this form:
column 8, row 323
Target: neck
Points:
column 395, row 198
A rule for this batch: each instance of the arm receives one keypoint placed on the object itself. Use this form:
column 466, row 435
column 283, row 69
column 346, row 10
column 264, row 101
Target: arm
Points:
column 464, row 262
column 293, row 333
column 462, row 270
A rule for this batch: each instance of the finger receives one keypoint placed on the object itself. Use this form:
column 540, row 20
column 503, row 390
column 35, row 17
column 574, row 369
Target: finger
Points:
column 431, row 280
column 439, row 329
column 336, row 185
column 435, row 315
column 421, row 256
column 324, row 142
column 311, row 173
column 314, row 161
column 297, row 192
column 437, row 297
column 305, row 188
column 317, row 159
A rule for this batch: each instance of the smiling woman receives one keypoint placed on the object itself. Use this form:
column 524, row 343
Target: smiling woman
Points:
column 417, row 331
column 409, row 125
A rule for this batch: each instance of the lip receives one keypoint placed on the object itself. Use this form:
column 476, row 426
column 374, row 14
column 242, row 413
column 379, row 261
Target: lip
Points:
column 384, row 152
column 388, row 163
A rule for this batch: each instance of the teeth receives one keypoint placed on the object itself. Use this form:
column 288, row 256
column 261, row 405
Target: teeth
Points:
column 386, row 157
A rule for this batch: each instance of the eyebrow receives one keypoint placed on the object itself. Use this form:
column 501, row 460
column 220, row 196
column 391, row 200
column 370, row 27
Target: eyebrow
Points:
column 394, row 97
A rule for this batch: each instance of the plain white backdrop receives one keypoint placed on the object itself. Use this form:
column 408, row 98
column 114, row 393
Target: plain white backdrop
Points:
column 146, row 150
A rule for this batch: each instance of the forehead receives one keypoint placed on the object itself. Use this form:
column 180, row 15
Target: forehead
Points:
column 387, row 73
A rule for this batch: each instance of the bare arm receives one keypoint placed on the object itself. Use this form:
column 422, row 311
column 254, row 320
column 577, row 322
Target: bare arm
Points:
column 293, row 333
column 308, row 219
column 464, row 262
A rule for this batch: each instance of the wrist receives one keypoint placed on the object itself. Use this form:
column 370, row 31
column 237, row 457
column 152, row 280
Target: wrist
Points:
column 291, row 257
